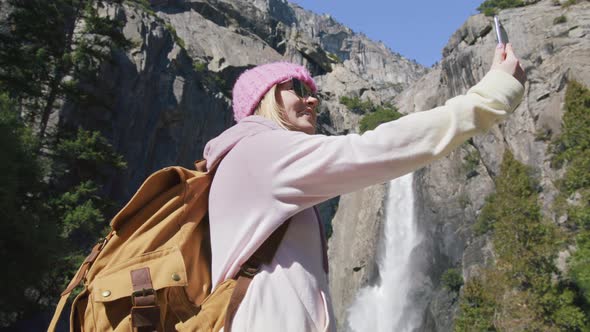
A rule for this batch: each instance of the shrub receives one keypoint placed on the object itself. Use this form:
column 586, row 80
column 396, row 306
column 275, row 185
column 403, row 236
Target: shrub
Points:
column 470, row 163
column 560, row 19
column 579, row 265
column 573, row 149
column 575, row 138
column 477, row 307
column 374, row 115
column 379, row 116
column 356, row 105
column 452, row 280
column 334, row 57
column 175, row 36
column 543, row 135
column 487, row 218
column 491, row 7
column 569, row 3
column 200, row 67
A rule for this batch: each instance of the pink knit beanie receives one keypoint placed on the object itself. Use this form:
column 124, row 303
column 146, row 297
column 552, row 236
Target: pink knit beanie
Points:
column 254, row 83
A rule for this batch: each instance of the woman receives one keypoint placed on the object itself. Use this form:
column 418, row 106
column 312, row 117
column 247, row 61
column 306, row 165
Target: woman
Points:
column 274, row 168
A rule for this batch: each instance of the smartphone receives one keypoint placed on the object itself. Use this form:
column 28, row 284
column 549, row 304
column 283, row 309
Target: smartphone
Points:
column 501, row 34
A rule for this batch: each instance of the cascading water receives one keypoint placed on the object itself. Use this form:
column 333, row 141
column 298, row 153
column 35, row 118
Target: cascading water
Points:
column 384, row 307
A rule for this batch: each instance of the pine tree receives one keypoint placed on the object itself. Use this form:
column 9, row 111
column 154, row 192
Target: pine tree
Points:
column 50, row 182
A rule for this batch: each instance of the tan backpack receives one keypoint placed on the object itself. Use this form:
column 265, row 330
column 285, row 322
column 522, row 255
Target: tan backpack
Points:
column 152, row 272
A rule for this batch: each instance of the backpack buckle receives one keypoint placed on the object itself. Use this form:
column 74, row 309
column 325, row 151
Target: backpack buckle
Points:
column 144, row 296
column 249, row 271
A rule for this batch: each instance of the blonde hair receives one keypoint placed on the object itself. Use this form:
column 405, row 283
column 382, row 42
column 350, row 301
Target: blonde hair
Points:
column 270, row 109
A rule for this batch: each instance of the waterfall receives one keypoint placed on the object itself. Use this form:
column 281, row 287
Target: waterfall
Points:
column 385, row 307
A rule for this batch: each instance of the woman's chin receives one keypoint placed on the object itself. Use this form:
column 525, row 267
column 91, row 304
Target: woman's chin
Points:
column 305, row 124
column 309, row 129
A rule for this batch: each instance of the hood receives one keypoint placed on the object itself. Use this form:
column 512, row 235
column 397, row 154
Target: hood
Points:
column 222, row 144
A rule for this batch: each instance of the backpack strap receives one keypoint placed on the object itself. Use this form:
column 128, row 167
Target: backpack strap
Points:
column 323, row 238
column 201, row 165
column 145, row 312
column 77, row 279
column 248, row 271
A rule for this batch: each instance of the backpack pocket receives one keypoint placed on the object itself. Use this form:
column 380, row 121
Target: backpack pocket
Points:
column 110, row 293
column 211, row 317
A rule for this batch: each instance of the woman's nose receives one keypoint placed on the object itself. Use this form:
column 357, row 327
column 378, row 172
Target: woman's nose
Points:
column 312, row 101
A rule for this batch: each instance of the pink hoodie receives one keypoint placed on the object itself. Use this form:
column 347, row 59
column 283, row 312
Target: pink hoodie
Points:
column 271, row 174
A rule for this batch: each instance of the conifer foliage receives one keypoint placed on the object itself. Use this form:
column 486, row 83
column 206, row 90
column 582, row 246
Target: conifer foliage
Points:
column 523, row 289
column 51, row 177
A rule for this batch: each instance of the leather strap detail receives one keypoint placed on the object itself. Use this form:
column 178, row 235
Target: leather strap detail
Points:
column 235, row 300
column 201, row 165
column 267, row 250
column 81, row 274
column 145, row 313
column 78, row 278
column 60, row 307
column 141, row 280
column 145, row 319
column 248, row 271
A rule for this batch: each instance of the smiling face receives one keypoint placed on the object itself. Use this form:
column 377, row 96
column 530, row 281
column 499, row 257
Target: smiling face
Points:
column 299, row 106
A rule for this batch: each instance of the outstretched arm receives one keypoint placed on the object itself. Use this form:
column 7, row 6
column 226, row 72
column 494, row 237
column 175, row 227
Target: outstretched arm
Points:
column 308, row 169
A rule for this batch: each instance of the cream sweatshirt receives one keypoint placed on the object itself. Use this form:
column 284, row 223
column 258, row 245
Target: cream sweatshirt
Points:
column 271, row 174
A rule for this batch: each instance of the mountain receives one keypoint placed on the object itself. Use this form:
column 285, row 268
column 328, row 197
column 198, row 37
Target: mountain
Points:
column 170, row 93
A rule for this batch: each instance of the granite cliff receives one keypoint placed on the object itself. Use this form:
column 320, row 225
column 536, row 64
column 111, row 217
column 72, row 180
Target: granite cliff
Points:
column 170, row 93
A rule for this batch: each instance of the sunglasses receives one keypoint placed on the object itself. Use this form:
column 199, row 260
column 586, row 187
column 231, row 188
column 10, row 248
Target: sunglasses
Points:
column 301, row 89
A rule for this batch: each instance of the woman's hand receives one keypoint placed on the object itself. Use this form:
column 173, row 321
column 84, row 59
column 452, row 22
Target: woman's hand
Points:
column 506, row 61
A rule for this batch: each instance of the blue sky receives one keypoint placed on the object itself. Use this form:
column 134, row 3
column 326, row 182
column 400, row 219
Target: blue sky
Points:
column 417, row 29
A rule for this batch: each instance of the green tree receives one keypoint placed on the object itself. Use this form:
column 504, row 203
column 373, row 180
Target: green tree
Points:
column 523, row 287
column 28, row 240
column 573, row 146
column 572, row 150
column 51, row 183
column 44, row 48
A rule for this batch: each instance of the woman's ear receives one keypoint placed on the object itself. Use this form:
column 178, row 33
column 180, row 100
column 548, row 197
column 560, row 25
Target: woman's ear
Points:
column 278, row 96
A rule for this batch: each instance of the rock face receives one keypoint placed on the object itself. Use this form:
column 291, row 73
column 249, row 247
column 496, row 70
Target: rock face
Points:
column 157, row 109
column 230, row 36
column 354, row 245
column 170, row 93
